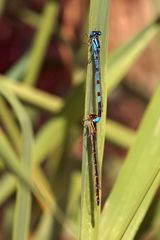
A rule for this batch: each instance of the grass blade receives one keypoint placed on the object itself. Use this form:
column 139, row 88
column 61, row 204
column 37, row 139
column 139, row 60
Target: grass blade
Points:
column 44, row 228
column 2, row 6
column 90, row 212
column 137, row 182
column 30, row 18
column 34, row 96
column 10, row 159
column 23, row 201
column 42, row 194
column 8, row 184
column 43, row 145
column 9, row 124
column 119, row 134
column 140, row 214
column 41, row 42
column 16, row 72
column 122, row 59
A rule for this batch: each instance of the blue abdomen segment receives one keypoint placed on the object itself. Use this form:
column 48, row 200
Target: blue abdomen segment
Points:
column 97, row 119
column 95, row 49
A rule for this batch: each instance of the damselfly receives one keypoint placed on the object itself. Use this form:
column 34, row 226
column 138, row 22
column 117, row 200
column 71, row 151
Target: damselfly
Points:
column 91, row 125
column 95, row 50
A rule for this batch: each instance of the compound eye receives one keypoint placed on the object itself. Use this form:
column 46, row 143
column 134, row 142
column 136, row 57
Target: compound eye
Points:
column 92, row 116
column 92, row 34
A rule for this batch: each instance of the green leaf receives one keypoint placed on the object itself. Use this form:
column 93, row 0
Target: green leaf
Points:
column 11, row 160
column 72, row 210
column 23, row 201
column 156, row 222
column 43, row 145
column 45, row 228
column 41, row 41
column 119, row 134
column 137, row 182
column 34, row 96
column 8, row 183
column 90, row 211
column 122, row 58
column 2, row 6
column 9, row 124
column 30, row 17
column 16, row 72
column 42, row 189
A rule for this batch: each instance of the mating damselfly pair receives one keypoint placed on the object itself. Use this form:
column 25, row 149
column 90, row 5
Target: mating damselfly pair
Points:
column 93, row 119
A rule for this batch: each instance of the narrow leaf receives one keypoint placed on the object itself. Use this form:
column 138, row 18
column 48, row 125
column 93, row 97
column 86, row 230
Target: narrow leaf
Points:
column 34, row 96
column 137, row 182
column 23, row 201
column 119, row 134
column 122, row 58
column 90, row 212
column 41, row 42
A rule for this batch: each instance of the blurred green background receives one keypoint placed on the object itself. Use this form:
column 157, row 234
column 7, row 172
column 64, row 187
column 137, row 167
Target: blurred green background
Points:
column 44, row 57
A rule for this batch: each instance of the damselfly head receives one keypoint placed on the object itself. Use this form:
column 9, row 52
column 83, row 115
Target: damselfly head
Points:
column 92, row 116
column 95, row 34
